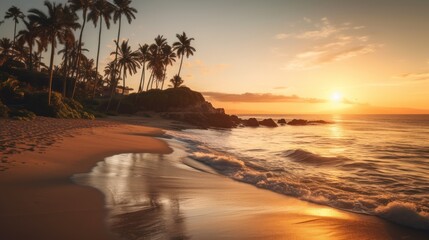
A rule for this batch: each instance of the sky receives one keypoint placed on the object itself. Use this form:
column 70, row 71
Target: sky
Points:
column 287, row 56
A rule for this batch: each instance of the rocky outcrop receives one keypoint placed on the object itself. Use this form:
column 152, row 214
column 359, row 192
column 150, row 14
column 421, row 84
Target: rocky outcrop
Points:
column 251, row 122
column 281, row 121
column 302, row 122
column 268, row 123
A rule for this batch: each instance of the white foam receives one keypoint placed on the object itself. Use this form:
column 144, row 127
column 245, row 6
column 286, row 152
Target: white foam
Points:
column 404, row 213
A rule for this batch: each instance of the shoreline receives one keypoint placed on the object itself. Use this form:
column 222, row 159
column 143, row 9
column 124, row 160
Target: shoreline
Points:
column 40, row 191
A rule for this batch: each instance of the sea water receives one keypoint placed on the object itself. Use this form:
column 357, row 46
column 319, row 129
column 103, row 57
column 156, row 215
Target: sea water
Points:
column 371, row 164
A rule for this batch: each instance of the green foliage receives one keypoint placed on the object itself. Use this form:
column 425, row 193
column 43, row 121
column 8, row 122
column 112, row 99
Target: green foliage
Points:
column 10, row 92
column 22, row 114
column 4, row 110
column 60, row 107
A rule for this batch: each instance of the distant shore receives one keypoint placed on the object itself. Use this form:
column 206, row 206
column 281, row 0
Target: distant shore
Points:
column 39, row 201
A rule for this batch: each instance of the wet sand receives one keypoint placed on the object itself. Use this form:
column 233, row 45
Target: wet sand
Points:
column 147, row 196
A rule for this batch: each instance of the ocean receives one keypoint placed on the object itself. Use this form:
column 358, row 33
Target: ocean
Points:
column 369, row 164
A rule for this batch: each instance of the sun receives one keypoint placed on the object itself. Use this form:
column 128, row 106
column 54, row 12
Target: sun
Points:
column 336, row 97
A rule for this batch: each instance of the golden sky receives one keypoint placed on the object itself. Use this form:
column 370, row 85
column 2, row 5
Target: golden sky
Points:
column 288, row 56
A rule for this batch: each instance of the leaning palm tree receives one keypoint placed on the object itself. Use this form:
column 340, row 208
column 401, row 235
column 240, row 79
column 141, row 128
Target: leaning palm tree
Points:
column 52, row 27
column 28, row 36
column 16, row 14
column 99, row 11
column 183, row 47
column 77, row 5
column 143, row 53
column 122, row 9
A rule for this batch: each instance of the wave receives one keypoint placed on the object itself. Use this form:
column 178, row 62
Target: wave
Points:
column 306, row 157
column 229, row 165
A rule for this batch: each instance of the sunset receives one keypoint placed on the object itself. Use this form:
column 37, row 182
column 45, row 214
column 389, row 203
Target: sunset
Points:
column 226, row 119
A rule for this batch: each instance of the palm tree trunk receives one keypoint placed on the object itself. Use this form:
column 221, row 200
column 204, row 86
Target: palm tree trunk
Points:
column 76, row 67
column 65, row 72
column 141, row 86
column 180, row 68
column 123, row 91
column 116, row 51
column 98, row 56
column 163, row 79
column 112, row 94
column 51, row 70
column 14, row 34
column 148, row 82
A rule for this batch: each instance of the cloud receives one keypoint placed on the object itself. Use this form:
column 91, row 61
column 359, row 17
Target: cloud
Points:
column 280, row 88
column 328, row 43
column 259, row 98
column 415, row 77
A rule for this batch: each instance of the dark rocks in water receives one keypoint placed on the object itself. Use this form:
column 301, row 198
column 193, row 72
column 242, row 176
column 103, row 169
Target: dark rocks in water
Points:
column 268, row 123
column 281, row 121
column 203, row 120
column 302, row 122
column 298, row 122
column 251, row 122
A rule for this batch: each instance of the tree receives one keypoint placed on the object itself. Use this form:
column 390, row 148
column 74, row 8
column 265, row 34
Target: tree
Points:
column 176, row 81
column 155, row 60
column 169, row 57
column 77, row 5
column 122, row 9
column 52, row 27
column 143, row 54
column 16, row 14
column 28, row 36
column 100, row 10
column 128, row 60
column 183, row 47
column 6, row 50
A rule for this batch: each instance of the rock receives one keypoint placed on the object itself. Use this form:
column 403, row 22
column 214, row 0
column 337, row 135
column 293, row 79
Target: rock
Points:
column 268, row 123
column 281, row 121
column 318, row 122
column 251, row 122
column 220, row 120
column 298, row 122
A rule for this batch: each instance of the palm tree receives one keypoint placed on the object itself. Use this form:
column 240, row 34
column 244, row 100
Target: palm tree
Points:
column 100, row 10
column 155, row 60
column 169, row 57
column 122, row 8
column 183, row 46
column 77, row 5
column 52, row 27
column 6, row 50
column 176, row 81
column 143, row 53
column 128, row 60
column 28, row 36
column 16, row 14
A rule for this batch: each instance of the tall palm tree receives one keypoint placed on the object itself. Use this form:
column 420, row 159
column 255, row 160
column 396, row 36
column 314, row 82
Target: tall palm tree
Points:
column 77, row 5
column 128, row 60
column 28, row 36
column 99, row 11
column 155, row 64
column 169, row 57
column 122, row 9
column 52, row 27
column 183, row 47
column 143, row 53
column 16, row 14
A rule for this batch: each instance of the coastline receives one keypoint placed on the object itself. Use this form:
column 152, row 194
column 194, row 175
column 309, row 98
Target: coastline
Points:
column 43, row 202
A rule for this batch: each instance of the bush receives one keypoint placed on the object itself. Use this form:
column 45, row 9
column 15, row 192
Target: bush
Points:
column 10, row 92
column 22, row 114
column 60, row 107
